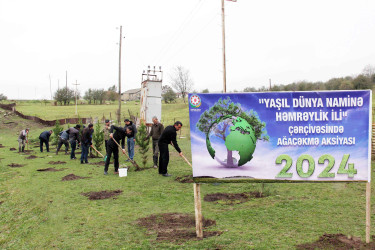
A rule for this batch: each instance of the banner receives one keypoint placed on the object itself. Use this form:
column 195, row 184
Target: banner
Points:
column 282, row 136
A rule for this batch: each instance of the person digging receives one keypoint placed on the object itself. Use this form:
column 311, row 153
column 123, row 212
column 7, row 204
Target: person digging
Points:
column 22, row 138
column 118, row 134
column 168, row 137
column 44, row 139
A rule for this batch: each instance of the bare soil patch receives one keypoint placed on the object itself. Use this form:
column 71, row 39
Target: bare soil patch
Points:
column 102, row 194
column 56, row 162
column 1, row 146
column 51, row 169
column 185, row 179
column 175, row 227
column 31, row 157
column 237, row 198
column 100, row 163
column 337, row 241
column 1, row 202
column 15, row 165
column 72, row 177
column 12, row 149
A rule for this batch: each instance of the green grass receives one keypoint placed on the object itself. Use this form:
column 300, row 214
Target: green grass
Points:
column 39, row 211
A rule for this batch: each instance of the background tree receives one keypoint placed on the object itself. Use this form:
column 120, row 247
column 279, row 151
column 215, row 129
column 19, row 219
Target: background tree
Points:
column 362, row 82
column 249, row 89
column 112, row 94
column 88, row 96
column 64, row 96
column 98, row 137
column 143, row 144
column 3, row 97
column 181, row 81
column 169, row 96
column 205, row 91
column 224, row 107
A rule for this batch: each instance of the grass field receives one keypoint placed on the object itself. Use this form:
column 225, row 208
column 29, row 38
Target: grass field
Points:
column 39, row 211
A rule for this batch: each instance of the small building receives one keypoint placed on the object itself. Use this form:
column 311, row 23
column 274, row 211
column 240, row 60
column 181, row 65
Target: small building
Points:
column 131, row 95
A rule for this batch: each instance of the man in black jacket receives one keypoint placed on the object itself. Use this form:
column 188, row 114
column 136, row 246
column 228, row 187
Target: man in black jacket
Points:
column 44, row 138
column 86, row 142
column 112, row 147
column 168, row 137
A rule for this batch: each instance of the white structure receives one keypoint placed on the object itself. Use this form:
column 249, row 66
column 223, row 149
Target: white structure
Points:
column 151, row 95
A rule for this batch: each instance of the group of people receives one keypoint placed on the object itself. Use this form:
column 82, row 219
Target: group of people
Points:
column 113, row 136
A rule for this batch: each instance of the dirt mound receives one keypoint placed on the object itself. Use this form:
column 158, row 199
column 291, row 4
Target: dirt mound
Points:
column 12, row 149
column 1, row 146
column 31, row 157
column 337, row 241
column 1, row 202
column 71, row 177
column 15, row 165
column 28, row 151
column 185, row 179
column 233, row 198
column 56, row 162
column 100, row 163
column 50, row 169
column 102, row 194
column 174, row 227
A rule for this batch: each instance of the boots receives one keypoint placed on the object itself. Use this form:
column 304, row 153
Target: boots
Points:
column 19, row 149
column 23, row 148
column 155, row 158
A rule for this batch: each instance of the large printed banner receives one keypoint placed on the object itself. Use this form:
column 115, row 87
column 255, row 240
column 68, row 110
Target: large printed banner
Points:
column 295, row 136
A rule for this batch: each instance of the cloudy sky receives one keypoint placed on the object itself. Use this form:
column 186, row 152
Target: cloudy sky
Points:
column 285, row 41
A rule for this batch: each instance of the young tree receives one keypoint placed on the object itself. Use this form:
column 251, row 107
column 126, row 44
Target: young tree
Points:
column 98, row 137
column 182, row 81
column 143, row 143
column 56, row 132
column 225, row 107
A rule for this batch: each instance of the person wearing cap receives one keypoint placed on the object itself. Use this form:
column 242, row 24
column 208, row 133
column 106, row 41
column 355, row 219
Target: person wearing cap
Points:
column 168, row 137
column 106, row 133
column 44, row 138
column 156, row 130
column 63, row 139
column 86, row 142
column 131, row 137
column 73, row 138
column 22, row 138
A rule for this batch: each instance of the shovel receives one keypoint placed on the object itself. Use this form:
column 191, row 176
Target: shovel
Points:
column 184, row 158
column 133, row 162
column 105, row 157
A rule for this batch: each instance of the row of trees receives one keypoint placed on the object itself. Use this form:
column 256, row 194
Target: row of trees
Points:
column 3, row 97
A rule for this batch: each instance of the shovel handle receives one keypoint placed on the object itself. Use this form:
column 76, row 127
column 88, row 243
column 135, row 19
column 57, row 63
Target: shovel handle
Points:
column 96, row 150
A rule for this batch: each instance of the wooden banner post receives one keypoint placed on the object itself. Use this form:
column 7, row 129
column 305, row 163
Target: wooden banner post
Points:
column 198, row 210
column 368, row 211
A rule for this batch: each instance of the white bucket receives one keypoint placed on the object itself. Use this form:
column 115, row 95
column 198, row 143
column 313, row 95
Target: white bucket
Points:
column 123, row 172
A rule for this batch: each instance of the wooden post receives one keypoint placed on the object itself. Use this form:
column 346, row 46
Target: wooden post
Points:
column 198, row 210
column 368, row 211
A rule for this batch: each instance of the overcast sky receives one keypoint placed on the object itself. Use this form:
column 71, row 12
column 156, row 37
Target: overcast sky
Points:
column 286, row 41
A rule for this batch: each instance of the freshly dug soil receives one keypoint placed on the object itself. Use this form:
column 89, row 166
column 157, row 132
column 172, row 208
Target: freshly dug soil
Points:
column 175, row 227
column 12, row 149
column 51, row 169
column 233, row 198
column 31, row 157
column 1, row 146
column 337, row 241
column 1, row 202
column 28, row 151
column 102, row 194
column 100, row 163
column 56, row 162
column 185, row 179
column 15, row 165
column 71, row 177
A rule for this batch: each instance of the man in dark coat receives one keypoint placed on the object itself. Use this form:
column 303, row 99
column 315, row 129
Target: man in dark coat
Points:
column 156, row 130
column 118, row 134
column 73, row 138
column 44, row 138
column 86, row 142
column 130, row 140
column 168, row 137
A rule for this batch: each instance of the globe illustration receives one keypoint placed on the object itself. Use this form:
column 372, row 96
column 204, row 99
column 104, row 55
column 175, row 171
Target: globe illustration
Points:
column 231, row 141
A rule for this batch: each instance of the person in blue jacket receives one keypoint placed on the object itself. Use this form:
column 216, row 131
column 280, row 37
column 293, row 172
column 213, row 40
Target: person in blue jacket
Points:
column 63, row 139
column 44, row 138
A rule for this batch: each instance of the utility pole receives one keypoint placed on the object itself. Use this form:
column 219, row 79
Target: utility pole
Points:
column 270, row 84
column 76, row 96
column 223, row 31
column 119, row 80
